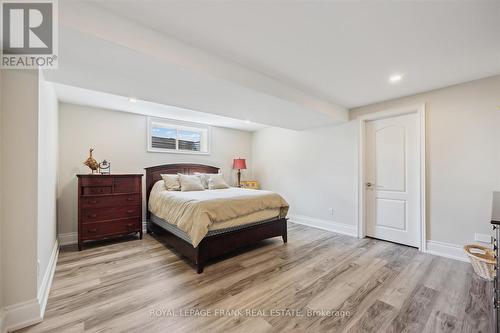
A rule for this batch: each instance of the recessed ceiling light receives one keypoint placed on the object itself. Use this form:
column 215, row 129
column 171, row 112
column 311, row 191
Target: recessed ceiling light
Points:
column 247, row 121
column 132, row 100
column 395, row 78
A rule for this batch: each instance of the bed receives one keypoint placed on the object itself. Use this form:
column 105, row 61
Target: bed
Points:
column 193, row 234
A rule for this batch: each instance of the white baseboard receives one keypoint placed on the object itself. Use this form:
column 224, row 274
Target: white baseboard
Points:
column 447, row 250
column 43, row 291
column 69, row 238
column 21, row 315
column 27, row 313
column 2, row 321
column 340, row 228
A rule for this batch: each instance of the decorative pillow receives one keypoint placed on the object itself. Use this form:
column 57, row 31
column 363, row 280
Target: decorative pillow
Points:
column 171, row 182
column 204, row 177
column 190, row 183
column 216, row 182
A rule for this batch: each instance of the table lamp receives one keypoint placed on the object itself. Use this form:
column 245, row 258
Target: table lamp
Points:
column 240, row 164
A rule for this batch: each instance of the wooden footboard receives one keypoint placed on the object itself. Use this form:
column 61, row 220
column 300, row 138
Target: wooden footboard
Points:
column 217, row 245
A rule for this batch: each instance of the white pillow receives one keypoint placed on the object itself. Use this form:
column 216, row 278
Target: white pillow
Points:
column 190, row 183
column 216, row 182
column 204, row 177
column 171, row 182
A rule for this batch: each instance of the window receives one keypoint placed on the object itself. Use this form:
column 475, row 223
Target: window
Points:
column 172, row 136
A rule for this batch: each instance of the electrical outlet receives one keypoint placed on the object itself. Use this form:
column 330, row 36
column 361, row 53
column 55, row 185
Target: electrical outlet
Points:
column 483, row 238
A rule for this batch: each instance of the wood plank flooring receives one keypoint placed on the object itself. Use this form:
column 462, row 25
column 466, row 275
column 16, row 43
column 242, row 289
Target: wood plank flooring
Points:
column 318, row 282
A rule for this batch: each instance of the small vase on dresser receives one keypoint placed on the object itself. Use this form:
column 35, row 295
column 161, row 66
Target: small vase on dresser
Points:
column 109, row 206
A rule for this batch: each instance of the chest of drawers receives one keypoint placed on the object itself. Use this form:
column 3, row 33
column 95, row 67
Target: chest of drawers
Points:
column 109, row 206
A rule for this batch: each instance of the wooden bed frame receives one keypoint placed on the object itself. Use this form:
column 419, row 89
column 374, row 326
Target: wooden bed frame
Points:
column 211, row 246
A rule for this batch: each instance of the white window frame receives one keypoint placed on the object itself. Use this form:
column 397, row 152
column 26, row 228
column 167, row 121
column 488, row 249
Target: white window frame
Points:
column 179, row 125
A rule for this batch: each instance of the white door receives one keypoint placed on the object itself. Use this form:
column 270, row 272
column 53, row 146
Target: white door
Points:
column 392, row 179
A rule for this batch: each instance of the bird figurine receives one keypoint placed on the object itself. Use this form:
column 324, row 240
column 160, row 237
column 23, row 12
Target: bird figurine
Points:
column 91, row 162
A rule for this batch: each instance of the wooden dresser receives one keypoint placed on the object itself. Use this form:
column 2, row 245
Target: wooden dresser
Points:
column 108, row 206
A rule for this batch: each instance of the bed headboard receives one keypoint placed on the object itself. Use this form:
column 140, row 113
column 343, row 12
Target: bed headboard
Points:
column 153, row 174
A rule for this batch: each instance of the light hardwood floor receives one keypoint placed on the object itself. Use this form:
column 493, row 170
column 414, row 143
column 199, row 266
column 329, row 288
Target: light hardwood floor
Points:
column 141, row 286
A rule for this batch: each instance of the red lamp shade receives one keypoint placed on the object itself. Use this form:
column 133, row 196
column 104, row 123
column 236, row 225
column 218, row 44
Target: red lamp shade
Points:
column 239, row 163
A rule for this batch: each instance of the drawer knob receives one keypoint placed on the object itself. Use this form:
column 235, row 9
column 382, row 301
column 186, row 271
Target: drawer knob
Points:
column 93, row 230
column 93, row 201
column 130, row 225
column 130, row 199
column 130, row 211
column 92, row 216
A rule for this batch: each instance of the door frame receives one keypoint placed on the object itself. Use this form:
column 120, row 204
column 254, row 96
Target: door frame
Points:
column 362, row 120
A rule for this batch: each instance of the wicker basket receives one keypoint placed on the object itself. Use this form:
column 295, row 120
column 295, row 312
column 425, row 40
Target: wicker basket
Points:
column 483, row 260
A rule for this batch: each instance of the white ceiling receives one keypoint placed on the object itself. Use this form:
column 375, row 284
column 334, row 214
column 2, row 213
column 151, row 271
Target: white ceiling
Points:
column 289, row 64
column 341, row 51
column 80, row 96
column 104, row 52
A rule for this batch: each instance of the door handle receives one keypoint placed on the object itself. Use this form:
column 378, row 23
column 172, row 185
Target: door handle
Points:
column 372, row 185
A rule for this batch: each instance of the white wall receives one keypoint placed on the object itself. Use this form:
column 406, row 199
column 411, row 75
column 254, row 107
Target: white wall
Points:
column 463, row 156
column 120, row 138
column 19, row 132
column 314, row 170
column 47, row 175
column 317, row 169
column 28, row 155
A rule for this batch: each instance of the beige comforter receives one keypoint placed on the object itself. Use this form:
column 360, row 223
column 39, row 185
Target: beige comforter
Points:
column 195, row 211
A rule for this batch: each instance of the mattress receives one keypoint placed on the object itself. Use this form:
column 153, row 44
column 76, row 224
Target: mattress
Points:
column 198, row 212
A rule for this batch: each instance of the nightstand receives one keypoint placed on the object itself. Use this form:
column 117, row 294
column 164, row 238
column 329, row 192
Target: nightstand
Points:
column 250, row 184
